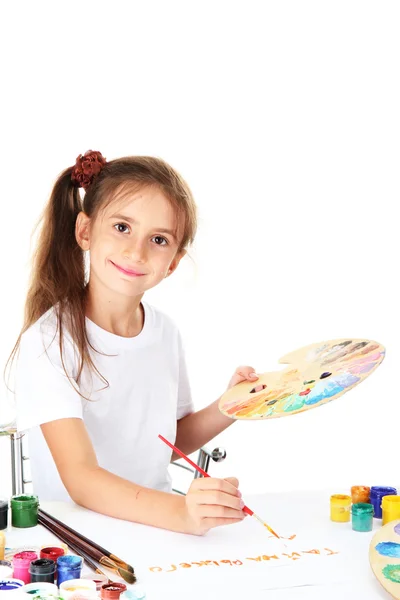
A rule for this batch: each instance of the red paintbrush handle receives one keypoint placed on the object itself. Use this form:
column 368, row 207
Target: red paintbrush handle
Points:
column 245, row 509
column 175, row 449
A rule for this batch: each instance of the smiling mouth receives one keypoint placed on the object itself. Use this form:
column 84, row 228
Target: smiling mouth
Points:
column 129, row 272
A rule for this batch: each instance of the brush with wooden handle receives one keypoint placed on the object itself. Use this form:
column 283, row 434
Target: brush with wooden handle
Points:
column 103, row 551
column 88, row 547
column 72, row 547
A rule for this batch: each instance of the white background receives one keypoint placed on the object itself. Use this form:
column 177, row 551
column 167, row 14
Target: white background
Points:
column 284, row 119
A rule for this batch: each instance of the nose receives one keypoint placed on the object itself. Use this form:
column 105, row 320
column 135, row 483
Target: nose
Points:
column 135, row 251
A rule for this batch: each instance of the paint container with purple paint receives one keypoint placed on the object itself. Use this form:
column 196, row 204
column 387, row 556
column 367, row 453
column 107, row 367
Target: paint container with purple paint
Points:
column 376, row 495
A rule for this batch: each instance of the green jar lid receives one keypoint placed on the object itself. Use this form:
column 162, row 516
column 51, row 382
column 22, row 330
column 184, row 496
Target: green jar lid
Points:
column 362, row 509
column 23, row 502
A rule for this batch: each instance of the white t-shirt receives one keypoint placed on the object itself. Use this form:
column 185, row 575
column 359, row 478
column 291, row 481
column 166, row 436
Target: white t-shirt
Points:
column 148, row 392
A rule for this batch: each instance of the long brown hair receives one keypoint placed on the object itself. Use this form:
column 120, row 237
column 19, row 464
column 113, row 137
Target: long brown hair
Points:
column 58, row 270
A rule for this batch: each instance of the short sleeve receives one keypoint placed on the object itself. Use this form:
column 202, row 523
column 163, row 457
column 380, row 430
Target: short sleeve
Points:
column 43, row 392
column 185, row 403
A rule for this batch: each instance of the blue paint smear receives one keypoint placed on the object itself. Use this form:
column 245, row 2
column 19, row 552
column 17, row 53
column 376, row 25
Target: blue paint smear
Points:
column 391, row 549
column 329, row 388
column 397, row 529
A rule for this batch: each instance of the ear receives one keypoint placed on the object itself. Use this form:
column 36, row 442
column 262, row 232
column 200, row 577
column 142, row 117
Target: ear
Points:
column 82, row 230
column 175, row 262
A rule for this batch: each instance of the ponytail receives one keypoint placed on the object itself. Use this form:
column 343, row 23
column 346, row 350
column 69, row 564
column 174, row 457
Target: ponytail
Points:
column 58, row 272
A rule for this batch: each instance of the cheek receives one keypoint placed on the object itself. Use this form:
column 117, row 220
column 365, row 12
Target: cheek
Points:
column 106, row 245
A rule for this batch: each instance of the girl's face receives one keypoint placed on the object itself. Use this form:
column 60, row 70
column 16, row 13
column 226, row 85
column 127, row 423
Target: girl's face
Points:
column 133, row 243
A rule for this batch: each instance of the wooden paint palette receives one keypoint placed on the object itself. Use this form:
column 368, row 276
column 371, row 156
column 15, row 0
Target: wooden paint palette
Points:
column 384, row 557
column 316, row 375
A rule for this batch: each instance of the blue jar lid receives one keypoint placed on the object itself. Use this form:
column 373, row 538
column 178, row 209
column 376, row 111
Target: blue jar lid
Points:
column 378, row 490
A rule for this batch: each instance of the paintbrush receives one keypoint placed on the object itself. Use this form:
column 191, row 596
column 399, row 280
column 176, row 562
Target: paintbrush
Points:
column 91, row 549
column 105, row 553
column 245, row 509
column 72, row 547
column 85, row 550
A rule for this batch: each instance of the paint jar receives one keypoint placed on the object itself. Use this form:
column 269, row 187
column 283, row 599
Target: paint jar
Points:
column 52, row 552
column 68, row 567
column 360, row 493
column 112, row 591
column 84, row 595
column 11, row 584
column 6, row 569
column 362, row 515
column 24, row 511
column 42, row 595
column 340, row 508
column 98, row 579
column 43, row 569
column 390, row 508
column 21, row 564
column 70, row 587
column 377, row 493
column 3, row 513
column 2, row 545
column 41, row 588
column 135, row 593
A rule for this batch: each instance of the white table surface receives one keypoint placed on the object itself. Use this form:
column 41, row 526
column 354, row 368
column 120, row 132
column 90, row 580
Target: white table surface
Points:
column 346, row 575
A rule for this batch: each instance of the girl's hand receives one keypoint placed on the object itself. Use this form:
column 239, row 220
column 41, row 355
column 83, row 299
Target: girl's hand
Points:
column 242, row 374
column 212, row 502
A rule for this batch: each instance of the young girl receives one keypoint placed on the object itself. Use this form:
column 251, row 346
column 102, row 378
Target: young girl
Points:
column 100, row 373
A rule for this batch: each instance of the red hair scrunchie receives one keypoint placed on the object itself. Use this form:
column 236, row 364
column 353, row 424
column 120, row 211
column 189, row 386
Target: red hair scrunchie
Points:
column 86, row 168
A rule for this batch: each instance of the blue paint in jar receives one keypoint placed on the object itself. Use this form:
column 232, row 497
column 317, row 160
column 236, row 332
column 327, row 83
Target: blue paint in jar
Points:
column 376, row 495
column 68, row 567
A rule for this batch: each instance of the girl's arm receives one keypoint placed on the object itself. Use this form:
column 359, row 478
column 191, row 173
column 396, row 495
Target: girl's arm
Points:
column 209, row 503
column 197, row 429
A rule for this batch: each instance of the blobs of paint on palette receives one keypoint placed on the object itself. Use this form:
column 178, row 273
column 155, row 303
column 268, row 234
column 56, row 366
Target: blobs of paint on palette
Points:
column 391, row 549
column 392, row 572
column 315, row 375
column 325, row 375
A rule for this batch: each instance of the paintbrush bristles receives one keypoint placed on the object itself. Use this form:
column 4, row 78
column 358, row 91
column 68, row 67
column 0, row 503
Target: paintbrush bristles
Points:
column 265, row 525
column 121, row 563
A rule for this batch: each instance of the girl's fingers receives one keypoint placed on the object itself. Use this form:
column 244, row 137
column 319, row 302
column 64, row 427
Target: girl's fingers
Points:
column 226, row 486
column 208, row 523
column 206, row 511
column 209, row 497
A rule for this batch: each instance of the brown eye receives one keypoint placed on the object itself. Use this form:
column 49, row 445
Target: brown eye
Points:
column 121, row 228
column 160, row 241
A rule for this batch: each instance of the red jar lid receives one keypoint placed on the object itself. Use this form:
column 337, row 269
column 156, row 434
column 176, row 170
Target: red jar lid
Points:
column 51, row 552
column 112, row 591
